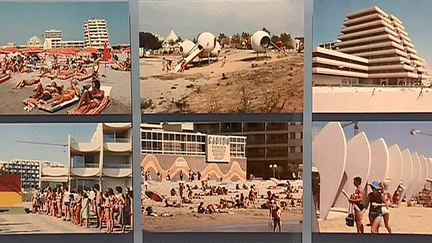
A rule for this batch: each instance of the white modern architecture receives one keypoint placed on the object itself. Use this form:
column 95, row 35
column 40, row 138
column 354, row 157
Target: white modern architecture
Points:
column 96, row 33
column 373, row 48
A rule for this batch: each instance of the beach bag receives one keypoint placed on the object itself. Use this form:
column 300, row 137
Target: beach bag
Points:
column 349, row 220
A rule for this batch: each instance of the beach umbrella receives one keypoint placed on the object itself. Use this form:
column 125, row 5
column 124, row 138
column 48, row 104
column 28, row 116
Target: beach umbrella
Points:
column 33, row 50
column 9, row 50
column 153, row 195
column 106, row 54
column 91, row 50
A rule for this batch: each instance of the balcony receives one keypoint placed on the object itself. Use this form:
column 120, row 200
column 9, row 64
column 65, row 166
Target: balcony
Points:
column 87, row 170
column 117, row 170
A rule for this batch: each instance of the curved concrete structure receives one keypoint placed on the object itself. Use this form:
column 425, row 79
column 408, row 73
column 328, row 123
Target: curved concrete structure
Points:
column 380, row 160
column 260, row 41
column 358, row 162
column 423, row 172
column 329, row 151
column 406, row 172
column 415, row 180
column 395, row 168
column 118, row 172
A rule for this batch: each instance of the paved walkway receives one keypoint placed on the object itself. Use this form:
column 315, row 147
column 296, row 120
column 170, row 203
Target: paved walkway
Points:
column 17, row 221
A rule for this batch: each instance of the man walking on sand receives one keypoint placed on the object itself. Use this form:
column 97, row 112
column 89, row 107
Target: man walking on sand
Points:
column 357, row 200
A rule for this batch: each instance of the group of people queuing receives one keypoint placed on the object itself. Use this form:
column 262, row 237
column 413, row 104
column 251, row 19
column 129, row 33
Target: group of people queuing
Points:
column 79, row 207
column 378, row 201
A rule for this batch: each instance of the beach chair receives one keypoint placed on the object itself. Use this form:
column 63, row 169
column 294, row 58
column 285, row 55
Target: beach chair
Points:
column 97, row 110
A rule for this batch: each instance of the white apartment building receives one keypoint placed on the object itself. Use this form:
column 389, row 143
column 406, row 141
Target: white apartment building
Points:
column 53, row 40
column 96, row 33
column 373, row 48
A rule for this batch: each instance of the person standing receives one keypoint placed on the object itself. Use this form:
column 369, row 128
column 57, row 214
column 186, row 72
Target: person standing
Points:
column 374, row 201
column 387, row 200
column 357, row 199
column 277, row 218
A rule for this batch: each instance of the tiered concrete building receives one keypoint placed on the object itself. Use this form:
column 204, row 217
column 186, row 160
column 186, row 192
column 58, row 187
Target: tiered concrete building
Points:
column 96, row 33
column 373, row 48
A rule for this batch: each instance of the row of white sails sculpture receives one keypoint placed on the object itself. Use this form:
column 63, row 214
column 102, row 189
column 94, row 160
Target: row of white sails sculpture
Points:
column 338, row 162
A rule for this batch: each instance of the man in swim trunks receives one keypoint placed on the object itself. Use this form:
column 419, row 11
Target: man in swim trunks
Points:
column 357, row 200
column 374, row 199
column 99, row 202
column 91, row 97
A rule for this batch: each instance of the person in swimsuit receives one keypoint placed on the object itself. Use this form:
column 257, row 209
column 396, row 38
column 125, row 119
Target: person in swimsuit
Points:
column 99, row 202
column 387, row 200
column 123, row 216
column 374, row 201
column 25, row 82
column 357, row 200
column 68, row 94
column 91, row 98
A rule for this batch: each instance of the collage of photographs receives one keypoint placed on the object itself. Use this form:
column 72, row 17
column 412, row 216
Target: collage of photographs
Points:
column 215, row 121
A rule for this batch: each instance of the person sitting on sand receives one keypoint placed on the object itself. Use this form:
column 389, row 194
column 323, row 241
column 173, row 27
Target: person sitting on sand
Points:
column 68, row 94
column 187, row 201
column 91, row 97
column 387, row 200
column 25, row 82
column 201, row 208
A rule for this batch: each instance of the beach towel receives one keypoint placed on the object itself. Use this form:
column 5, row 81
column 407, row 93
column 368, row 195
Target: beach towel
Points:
column 5, row 78
column 97, row 110
column 50, row 108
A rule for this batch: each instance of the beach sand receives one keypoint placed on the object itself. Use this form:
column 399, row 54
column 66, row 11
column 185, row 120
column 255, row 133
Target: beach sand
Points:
column 273, row 84
column 11, row 99
column 370, row 99
column 404, row 220
column 186, row 216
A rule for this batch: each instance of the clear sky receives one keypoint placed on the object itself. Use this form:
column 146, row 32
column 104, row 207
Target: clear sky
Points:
column 189, row 18
column 395, row 133
column 328, row 16
column 46, row 133
column 20, row 21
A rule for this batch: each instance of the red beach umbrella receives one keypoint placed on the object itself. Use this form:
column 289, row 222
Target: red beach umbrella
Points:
column 106, row 54
column 153, row 195
column 91, row 50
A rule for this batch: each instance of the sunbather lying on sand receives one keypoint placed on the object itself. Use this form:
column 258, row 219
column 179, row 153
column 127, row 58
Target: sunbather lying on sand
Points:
column 68, row 94
column 51, row 90
column 25, row 82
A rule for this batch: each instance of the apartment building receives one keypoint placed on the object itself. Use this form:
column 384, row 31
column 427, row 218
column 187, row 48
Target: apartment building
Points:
column 171, row 149
column 96, row 33
column 373, row 48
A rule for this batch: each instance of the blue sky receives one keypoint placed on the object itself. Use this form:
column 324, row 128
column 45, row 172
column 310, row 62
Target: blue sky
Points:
column 416, row 17
column 50, row 133
column 189, row 18
column 395, row 133
column 20, row 21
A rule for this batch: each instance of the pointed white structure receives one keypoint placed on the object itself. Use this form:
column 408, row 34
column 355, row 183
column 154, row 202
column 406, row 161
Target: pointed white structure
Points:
column 172, row 37
column 415, row 179
column 423, row 172
column 395, row 168
column 329, row 156
column 380, row 160
column 358, row 162
column 407, row 170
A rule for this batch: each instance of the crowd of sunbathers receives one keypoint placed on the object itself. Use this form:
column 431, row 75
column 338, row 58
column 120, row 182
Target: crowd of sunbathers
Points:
column 79, row 207
column 47, row 66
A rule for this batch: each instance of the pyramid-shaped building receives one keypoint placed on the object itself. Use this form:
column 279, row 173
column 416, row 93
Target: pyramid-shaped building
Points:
column 373, row 48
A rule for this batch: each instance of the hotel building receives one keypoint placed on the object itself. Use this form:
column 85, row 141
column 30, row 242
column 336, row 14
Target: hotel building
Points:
column 268, row 143
column 373, row 48
column 96, row 33
column 172, row 148
column 53, row 40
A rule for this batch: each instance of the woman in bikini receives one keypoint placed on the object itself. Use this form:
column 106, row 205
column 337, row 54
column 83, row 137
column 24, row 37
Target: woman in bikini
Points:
column 387, row 200
column 68, row 94
column 78, row 207
column 375, row 204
